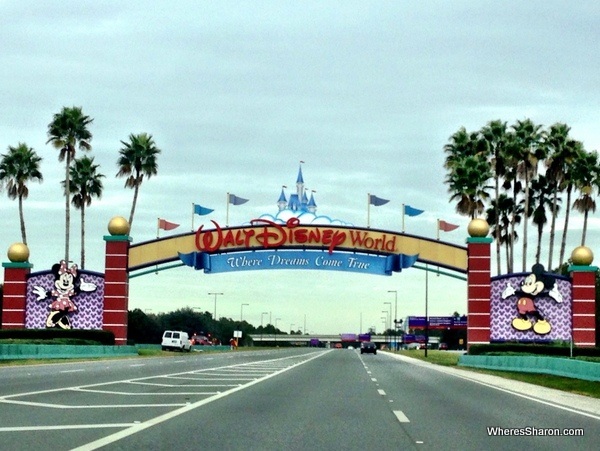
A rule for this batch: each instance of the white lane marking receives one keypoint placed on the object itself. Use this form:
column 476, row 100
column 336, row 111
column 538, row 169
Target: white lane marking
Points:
column 72, row 371
column 401, row 417
column 72, row 426
column 183, row 410
column 137, row 364
column 381, row 392
column 374, row 379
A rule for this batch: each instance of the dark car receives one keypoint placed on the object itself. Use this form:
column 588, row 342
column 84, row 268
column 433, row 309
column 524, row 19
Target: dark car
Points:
column 367, row 346
column 443, row 347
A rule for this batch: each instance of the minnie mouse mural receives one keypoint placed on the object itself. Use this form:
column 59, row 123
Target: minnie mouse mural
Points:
column 67, row 285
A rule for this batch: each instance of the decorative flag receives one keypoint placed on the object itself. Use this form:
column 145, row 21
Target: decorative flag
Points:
column 166, row 225
column 200, row 210
column 410, row 211
column 377, row 201
column 446, row 226
column 235, row 200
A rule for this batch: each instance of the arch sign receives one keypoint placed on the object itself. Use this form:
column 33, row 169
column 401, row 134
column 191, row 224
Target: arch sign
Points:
column 268, row 245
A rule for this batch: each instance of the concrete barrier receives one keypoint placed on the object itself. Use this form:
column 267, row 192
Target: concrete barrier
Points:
column 21, row 352
column 576, row 369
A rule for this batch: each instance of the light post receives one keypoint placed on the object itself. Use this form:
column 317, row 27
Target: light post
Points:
column 215, row 311
column 242, row 311
column 390, row 319
column 395, row 315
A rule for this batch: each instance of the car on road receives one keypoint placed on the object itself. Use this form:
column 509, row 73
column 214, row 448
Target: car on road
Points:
column 443, row 347
column 200, row 340
column 368, row 347
column 176, row 340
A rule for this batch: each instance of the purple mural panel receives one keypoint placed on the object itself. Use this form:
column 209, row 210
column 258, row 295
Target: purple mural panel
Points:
column 89, row 304
column 504, row 310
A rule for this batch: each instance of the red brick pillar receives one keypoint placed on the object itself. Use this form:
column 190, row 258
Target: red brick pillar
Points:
column 478, row 290
column 15, row 294
column 583, row 277
column 116, row 284
column 15, row 287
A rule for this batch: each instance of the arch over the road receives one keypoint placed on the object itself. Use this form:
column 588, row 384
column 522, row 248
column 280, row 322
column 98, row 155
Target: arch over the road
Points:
column 202, row 248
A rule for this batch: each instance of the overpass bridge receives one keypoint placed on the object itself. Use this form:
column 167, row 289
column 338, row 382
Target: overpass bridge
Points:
column 327, row 339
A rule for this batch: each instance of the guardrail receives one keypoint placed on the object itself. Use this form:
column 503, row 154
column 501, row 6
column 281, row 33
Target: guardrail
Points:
column 576, row 369
column 21, row 352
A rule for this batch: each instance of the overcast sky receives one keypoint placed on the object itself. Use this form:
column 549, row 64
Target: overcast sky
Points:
column 235, row 94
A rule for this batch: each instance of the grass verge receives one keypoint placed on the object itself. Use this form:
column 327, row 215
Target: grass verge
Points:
column 567, row 384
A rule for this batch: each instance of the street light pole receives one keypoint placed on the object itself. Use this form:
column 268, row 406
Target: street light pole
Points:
column 395, row 315
column 242, row 311
column 390, row 319
column 215, row 311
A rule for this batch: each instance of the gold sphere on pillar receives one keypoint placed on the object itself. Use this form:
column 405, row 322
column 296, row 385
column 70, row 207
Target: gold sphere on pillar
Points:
column 18, row 253
column 118, row 226
column 582, row 256
column 478, row 228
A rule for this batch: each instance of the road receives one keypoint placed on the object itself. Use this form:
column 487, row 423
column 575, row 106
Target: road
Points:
column 292, row 399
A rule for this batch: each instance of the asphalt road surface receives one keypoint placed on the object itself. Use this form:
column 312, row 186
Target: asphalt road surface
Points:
column 288, row 399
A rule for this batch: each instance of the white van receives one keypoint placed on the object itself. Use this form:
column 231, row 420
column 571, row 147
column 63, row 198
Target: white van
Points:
column 176, row 340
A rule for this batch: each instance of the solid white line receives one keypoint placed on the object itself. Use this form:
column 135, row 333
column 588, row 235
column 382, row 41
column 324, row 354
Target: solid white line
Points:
column 401, row 417
column 62, row 427
column 137, row 364
column 72, row 371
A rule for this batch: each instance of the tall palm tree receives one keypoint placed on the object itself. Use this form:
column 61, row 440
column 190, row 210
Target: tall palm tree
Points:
column 86, row 183
column 587, row 181
column 560, row 155
column 137, row 158
column 540, row 202
column 468, row 183
column 68, row 131
column 494, row 134
column 571, row 170
column 17, row 167
column 526, row 150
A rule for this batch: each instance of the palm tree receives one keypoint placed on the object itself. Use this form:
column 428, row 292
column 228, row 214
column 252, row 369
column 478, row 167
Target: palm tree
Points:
column 526, row 151
column 20, row 165
column 571, row 170
column 137, row 159
column 67, row 131
column 86, row 183
column 541, row 199
column 494, row 134
column 467, row 183
column 587, row 180
column 560, row 156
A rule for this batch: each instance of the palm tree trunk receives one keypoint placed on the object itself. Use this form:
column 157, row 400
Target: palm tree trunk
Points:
column 538, row 250
column 585, row 220
column 83, row 235
column 22, row 220
column 552, row 227
column 525, row 220
column 135, row 196
column 67, row 204
column 563, row 243
column 497, row 230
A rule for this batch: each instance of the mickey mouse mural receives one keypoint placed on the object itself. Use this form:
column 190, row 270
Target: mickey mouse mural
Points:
column 67, row 285
column 534, row 285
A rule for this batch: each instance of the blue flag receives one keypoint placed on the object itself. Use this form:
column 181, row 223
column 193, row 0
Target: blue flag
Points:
column 377, row 201
column 200, row 210
column 234, row 200
column 410, row 211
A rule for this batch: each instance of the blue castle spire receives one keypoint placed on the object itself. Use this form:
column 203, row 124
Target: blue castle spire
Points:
column 298, row 202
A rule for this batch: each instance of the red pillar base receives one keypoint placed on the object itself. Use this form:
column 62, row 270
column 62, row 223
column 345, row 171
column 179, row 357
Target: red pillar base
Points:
column 116, row 287
column 584, row 305
column 15, row 294
column 478, row 290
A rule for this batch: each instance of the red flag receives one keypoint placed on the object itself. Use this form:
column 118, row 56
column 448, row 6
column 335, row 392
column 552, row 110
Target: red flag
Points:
column 446, row 226
column 166, row 225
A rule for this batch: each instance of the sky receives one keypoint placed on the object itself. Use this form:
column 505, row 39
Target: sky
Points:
column 236, row 94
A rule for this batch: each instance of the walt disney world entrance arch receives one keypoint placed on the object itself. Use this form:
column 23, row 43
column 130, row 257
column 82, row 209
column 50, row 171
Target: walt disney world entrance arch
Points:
column 543, row 307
